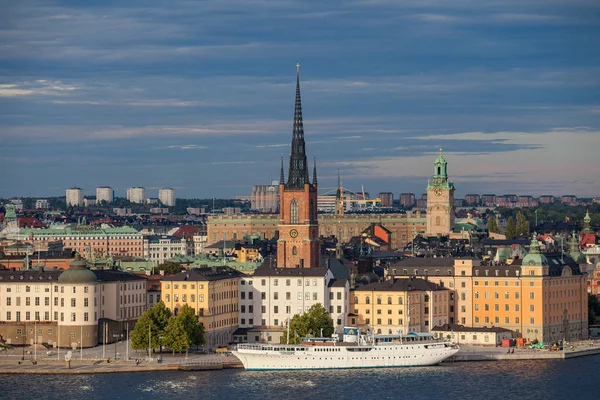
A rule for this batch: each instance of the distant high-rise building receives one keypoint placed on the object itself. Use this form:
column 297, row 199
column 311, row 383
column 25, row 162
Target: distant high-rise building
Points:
column 167, row 196
column 265, row 198
column 546, row 199
column 387, row 199
column 568, row 199
column 488, row 200
column 105, row 193
column 472, row 199
column 74, row 196
column 407, row 199
column 42, row 204
column 136, row 195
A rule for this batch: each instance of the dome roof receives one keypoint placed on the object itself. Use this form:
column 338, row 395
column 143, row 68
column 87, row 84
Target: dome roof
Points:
column 535, row 257
column 77, row 273
column 440, row 160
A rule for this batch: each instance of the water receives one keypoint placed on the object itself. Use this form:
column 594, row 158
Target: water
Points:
column 540, row 379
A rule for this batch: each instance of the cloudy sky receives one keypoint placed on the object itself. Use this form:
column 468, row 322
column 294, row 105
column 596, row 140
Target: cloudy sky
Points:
column 199, row 95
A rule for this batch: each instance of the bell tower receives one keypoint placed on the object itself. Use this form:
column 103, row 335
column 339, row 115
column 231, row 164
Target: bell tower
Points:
column 298, row 245
column 440, row 200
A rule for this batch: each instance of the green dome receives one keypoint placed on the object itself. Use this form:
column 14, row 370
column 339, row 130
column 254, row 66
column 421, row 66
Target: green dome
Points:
column 77, row 273
column 535, row 257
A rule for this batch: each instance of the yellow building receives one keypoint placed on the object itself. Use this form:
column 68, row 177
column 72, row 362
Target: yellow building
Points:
column 213, row 294
column 400, row 306
column 542, row 296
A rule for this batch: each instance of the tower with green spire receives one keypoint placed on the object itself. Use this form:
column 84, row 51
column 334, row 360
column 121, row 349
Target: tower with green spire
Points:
column 587, row 220
column 440, row 200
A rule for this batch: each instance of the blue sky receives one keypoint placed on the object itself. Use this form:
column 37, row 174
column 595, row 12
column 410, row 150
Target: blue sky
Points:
column 199, row 95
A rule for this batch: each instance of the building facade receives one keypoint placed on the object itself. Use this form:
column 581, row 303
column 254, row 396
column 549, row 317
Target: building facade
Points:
column 159, row 249
column 400, row 306
column 74, row 197
column 167, row 196
column 105, row 193
column 273, row 296
column 67, row 308
column 387, row 199
column 136, row 195
column 407, row 200
column 265, row 198
column 213, row 293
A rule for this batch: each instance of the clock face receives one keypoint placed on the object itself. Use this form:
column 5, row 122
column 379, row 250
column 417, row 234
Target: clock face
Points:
column 293, row 233
column 437, row 191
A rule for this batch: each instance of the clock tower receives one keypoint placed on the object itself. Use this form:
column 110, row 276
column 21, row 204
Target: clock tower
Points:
column 298, row 245
column 440, row 200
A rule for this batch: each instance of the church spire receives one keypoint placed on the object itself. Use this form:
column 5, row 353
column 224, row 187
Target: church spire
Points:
column 315, row 172
column 298, row 172
column 281, row 176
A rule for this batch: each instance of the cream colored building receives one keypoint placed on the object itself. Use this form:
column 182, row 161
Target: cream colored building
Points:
column 159, row 249
column 66, row 308
column 213, row 293
column 400, row 306
column 462, row 335
column 74, row 196
column 167, row 196
column 272, row 296
column 105, row 193
column 136, row 195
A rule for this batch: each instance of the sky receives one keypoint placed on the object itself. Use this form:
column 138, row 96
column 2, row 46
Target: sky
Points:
column 199, row 95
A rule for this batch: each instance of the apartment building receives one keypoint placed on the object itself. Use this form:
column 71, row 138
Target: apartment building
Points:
column 213, row 293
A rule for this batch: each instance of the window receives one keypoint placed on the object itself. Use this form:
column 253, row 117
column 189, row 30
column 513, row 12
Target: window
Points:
column 243, row 295
column 294, row 211
column 476, row 308
column 516, row 320
column 463, row 296
column 506, row 320
column 287, row 282
column 476, row 320
column 496, row 295
column 288, row 295
column 517, row 307
column 476, row 295
column 73, row 317
column 368, row 300
column 379, row 300
column 532, row 320
column 73, row 302
column 294, row 250
column 496, row 307
column 37, row 300
column 307, row 296
column 400, row 300
column 532, row 308
column 8, row 301
column 86, row 317
column 263, row 309
column 531, row 295
column 27, row 301
column 506, row 295
column 263, row 295
column 275, row 296
column 193, row 298
column 85, row 302
column 8, row 316
column 339, row 297
column 299, row 297
column 276, row 311
column 463, row 284
column 201, row 297
column 517, row 295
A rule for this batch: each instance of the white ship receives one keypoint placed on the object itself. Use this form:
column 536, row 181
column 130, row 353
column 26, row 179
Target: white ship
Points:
column 356, row 351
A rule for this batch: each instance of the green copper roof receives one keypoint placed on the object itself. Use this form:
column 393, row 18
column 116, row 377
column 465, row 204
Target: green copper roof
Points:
column 535, row 257
column 77, row 273
column 587, row 217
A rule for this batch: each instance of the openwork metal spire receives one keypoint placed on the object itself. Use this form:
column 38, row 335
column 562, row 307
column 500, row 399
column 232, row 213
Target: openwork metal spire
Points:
column 315, row 172
column 298, row 173
column 282, row 176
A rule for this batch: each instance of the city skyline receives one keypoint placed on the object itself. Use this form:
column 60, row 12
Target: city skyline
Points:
column 199, row 98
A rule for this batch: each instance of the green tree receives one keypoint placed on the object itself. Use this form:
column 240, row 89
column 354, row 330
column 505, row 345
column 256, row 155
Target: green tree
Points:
column 312, row 322
column 510, row 228
column 492, row 225
column 170, row 268
column 193, row 328
column 521, row 227
column 176, row 337
column 153, row 322
column 593, row 309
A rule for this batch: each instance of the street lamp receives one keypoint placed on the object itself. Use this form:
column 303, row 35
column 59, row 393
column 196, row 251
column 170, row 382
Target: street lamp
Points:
column 160, row 338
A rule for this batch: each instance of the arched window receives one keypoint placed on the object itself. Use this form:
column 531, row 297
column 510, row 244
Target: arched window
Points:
column 439, row 170
column 379, row 331
column 379, row 300
column 389, row 300
column 294, row 211
column 400, row 300
column 294, row 250
column 438, row 220
column 368, row 300
column 355, row 299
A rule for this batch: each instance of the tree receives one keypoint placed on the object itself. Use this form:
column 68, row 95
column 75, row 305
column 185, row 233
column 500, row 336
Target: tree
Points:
column 593, row 309
column 521, row 228
column 492, row 225
column 153, row 322
column 169, row 267
column 510, row 228
column 312, row 322
column 193, row 329
column 176, row 337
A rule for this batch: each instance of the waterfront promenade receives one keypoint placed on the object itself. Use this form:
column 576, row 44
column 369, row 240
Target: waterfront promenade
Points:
column 91, row 363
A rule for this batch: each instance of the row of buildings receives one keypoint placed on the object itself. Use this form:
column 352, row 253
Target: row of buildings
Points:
column 75, row 197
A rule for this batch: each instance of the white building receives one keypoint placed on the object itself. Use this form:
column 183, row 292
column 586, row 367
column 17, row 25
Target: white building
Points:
column 272, row 296
column 167, row 196
column 199, row 242
column 136, row 195
column 159, row 249
column 65, row 308
column 105, row 193
column 74, row 197
column 42, row 204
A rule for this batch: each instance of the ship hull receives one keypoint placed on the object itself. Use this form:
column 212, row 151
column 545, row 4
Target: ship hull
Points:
column 385, row 356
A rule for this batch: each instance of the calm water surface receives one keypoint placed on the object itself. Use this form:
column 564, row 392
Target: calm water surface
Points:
column 554, row 379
